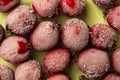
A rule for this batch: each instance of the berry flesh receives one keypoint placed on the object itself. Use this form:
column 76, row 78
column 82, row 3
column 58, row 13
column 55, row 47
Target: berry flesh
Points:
column 6, row 73
column 93, row 62
column 6, row 5
column 58, row 77
column 45, row 36
column 2, row 33
column 72, row 7
column 75, row 34
column 113, row 18
column 30, row 70
column 116, row 60
column 112, row 76
column 102, row 36
column 21, row 20
column 45, row 8
column 14, row 49
column 56, row 60
column 105, row 3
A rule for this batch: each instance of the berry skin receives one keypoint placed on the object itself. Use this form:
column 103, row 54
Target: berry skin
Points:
column 45, row 8
column 75, row 34
column 93, row 62
column 56, row 60
column 6, row 73
column 2, row 33
column 30, row 70
column 115, row 59
column 113, row 18
column 21, row 20
column 6, row 5
column 14, row 49
column 105, row 3
column 72, row 7
column 102, row 36
column 58, row 77
column 112, row 76
column 45, row 36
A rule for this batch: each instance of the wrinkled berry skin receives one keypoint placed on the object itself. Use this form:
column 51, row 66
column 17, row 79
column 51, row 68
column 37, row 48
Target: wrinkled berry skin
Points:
column 30, row 70
column 21, row 20
column 115, row 59
column 75, row 34
column 113, row 18
column 105, row 3
column 58, row 77
column 72, row 7
column 45, row 8
column 6, row 73
column 2, row 33
column 93, row 62
column 102, row 36
column 6, row 5
column 56, row 60
column 112, row 76
column 45, row 36
column 14, row 49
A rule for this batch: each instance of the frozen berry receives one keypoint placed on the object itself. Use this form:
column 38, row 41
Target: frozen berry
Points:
column 56, row 60
column 58, row 77
column 102, row 36
column 6, row 5
column 21, row 20
column 93, row 62
column 6, row 73
column 105, row 3
column 45, row 36
column 45, row 8
column 30, row 70
column 112, row 76
column 113, row 18
column 116, row 60
column 72, row 7
column 14, row 49
column 2, row 33
column 75, row 34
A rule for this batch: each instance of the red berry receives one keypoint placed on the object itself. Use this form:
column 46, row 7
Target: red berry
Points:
column 112, row 76
column 6, row 5
column 58, row 77
column 75, row 34
column 72, row 7
column 113, row 18
column 102, row 36
column 56, row 60
column 93, row 62
column 11, row 49
column 116, row 60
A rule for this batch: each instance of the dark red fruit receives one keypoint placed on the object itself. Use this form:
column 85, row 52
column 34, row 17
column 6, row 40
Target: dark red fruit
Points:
column 2, row 33
column 116, row 60
column 112, row 76
column 6, row 5
column 21, row 20
column 58, row 77
column 105, row 3
column 45, row 36
column 75, row 34
column 72, row 7
column 56, row 60
column 102, row 36
column 113, row 18
column 93, row 62
column 6, row 73
column 30, row 70
column 11, row 49
column 45, row 8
